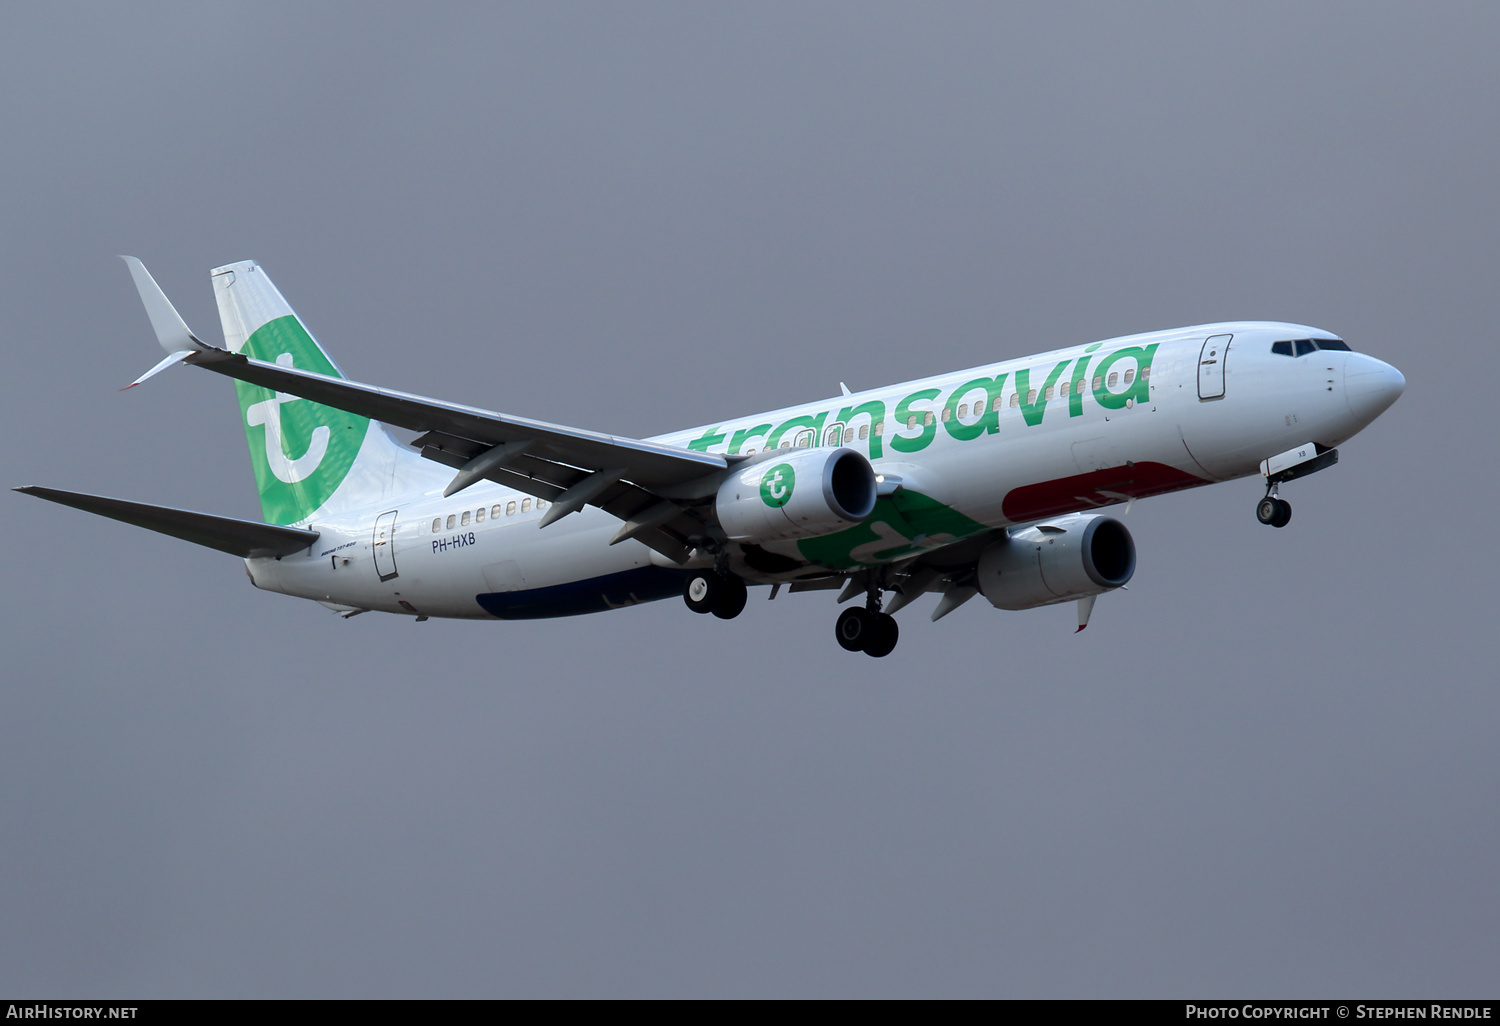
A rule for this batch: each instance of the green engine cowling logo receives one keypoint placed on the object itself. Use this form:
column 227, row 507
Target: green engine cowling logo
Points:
column 776, row 485
column 301, row 451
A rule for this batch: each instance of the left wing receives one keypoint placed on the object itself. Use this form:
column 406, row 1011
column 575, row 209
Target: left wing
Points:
column 650, row 486
column 237, row 537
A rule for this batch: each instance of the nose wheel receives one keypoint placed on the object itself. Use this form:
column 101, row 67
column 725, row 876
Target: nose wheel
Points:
column 1274, row 511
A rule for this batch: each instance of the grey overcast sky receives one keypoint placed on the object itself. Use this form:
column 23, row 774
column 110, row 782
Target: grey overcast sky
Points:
column 1269, row 769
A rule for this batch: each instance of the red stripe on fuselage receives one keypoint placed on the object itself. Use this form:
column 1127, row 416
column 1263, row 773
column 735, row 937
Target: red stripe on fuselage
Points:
column 1096, row 488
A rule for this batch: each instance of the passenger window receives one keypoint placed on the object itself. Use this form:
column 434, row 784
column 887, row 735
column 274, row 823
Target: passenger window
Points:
column 479, row 515
column 963, row 410
column 1305, row 346
column 911, row 422
column 1129, row 376
column 927, row 420
column 510, row 508
column 465, row 521
column 1098, row 383
column 1015, row 400
column 1063, row 390
column 541, row 504
column 437, row 524
column 1049, row 391
column 750, row 451
column 495, row 511
column 1114, row 376
column 834, row 436
column 947, row 414
column 864, row 432
column 525, row 505
column 451, row 521
column 879, row 428
column 1145, row 373
column 999, row 403
column 1031, row 398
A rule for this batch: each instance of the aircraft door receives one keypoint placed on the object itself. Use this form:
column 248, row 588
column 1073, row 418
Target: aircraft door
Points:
column 1211, row 366
column 385, row 545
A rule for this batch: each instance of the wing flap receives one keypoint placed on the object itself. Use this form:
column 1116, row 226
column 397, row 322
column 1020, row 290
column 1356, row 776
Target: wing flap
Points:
column 245, row 538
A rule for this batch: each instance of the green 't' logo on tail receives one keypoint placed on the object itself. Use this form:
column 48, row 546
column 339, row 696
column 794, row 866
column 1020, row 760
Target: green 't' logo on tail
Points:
column 301, row 451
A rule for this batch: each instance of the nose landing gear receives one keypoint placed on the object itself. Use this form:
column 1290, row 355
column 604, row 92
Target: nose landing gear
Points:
column 1308, row 458
column 1272, row 510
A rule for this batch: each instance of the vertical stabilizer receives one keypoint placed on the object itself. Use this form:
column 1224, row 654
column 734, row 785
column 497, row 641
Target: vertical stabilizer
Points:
column 307, row 458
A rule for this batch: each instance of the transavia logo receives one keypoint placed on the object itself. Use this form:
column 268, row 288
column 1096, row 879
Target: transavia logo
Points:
column 776, row 485
column 268, row 412
column 301, row 451
column 977, row 408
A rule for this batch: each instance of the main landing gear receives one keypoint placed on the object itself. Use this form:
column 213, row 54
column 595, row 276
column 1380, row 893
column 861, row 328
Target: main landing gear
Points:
column 860, row 630
column 1272, row 510
column 708, row 591
column 867, row 630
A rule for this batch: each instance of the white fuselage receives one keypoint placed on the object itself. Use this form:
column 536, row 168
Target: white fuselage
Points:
column 983, row 449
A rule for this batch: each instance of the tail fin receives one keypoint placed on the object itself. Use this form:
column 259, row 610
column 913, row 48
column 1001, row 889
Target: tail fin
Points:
column 307, row 458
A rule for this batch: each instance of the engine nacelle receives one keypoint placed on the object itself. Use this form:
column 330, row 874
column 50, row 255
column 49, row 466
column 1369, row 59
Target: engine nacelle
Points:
column 1070, row 557
column 805, row 493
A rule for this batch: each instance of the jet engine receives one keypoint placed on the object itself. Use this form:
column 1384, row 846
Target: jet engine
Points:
column 802, row 494
column 1067, row 558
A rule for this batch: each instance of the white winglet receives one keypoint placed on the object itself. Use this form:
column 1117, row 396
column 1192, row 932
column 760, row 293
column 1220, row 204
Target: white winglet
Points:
column 174, row 358
column 171, row 331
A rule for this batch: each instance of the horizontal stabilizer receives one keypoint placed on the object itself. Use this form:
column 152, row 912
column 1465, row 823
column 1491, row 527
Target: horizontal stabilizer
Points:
column 237, row 537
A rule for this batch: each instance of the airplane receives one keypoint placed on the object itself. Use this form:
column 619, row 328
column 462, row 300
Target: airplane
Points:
column 987, row 481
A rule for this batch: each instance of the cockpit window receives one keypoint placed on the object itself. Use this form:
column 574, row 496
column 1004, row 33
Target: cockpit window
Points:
column 1303, row 346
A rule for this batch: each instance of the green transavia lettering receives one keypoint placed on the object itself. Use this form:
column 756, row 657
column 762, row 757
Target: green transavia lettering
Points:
column 973, row 409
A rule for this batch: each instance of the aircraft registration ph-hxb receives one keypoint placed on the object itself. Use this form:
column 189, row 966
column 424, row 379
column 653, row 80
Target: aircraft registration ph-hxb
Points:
column 980, row 482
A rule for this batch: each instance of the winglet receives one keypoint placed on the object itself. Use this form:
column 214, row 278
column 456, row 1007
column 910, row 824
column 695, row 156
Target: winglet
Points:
column 171, row 331
column 172, row 358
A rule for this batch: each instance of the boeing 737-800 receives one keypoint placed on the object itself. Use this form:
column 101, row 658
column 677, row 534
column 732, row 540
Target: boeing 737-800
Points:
column 986, row 481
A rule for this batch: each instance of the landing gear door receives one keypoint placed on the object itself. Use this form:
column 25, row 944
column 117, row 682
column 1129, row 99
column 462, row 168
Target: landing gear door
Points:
column 385, row 545
column 1211, row 366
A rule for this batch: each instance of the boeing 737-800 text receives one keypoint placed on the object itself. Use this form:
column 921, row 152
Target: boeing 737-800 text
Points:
column 981, row 482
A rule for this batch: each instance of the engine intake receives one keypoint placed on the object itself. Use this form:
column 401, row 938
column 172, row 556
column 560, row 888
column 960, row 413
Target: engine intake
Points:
column 802, row 494
column 1067, row 558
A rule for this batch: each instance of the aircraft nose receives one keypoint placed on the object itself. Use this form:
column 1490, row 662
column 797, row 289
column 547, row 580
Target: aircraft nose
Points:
column 1370, row 386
